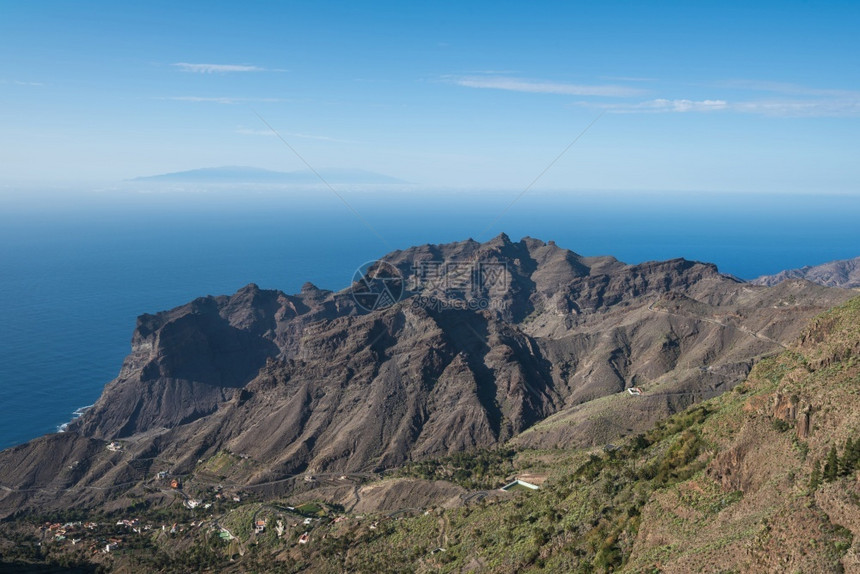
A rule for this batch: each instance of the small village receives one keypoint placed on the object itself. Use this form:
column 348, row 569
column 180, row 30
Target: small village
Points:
column 234, row 518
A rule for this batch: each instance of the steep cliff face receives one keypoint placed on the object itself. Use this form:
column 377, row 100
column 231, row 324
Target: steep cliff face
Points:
column 488, row 342
column 184, row 362
column 380, row 389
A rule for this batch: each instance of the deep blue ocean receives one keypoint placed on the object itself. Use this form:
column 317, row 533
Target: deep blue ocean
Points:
column 77, row 268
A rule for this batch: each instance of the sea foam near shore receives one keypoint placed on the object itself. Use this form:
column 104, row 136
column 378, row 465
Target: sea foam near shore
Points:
column 76, row 414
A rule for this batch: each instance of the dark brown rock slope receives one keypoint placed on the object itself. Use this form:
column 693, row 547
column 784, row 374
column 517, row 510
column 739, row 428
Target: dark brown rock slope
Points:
column 546, row 343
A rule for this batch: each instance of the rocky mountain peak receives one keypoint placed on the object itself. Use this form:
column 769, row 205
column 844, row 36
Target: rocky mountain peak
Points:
column 844, row 273
column 496, row 341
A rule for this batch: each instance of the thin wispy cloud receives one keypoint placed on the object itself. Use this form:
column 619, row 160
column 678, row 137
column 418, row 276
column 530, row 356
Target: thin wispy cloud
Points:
column 835, row 108
column 789, row 100
column 627, row 79
column 250, row 132
column 197, row 99
column 270, row 133
column 682, row 105
column 217, row 68
column 787, row 88
column 773, row 108
column 321, row 138
column 21, row 83
column 491, row 72
column 513, row 84
column 226, row 100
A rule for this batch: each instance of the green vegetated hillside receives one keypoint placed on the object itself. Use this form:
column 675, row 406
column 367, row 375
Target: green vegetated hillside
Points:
column 763, row 478
column 729, row 485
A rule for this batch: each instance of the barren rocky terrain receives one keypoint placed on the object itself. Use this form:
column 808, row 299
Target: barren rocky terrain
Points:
column 845, row 273
column 522, row 346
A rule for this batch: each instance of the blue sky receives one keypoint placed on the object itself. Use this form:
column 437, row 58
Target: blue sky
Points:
column 690, row 96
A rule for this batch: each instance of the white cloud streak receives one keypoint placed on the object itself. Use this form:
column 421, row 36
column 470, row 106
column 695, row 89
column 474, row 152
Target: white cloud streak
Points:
column 226, row 100
column 216, row 68
column 257, row 132
column 790, row 100
column 837, row 107
column 250, row 132
column 683, row 105
column 627, row 79
column 788, row 89
column 22, row 83
column 772, row 108
column 512, row 84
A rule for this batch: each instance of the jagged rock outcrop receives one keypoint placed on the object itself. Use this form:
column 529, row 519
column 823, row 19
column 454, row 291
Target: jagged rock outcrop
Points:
column 489, row 341
column 844, row 273
column 186, row 361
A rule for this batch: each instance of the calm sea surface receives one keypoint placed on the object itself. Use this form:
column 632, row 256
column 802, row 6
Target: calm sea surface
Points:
column 76, row 270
